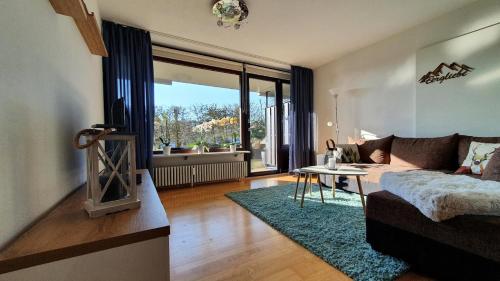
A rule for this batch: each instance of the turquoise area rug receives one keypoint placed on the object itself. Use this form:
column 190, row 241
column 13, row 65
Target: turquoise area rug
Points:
column 334, row 231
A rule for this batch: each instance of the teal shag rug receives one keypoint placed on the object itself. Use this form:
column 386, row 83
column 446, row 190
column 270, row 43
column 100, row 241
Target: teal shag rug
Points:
column 334, row 231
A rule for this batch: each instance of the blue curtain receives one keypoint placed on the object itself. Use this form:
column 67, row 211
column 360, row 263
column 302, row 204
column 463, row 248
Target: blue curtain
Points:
column 128, row 74
column 301, row 118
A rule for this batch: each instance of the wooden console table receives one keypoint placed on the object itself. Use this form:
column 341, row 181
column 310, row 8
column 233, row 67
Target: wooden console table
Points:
column 67, row 235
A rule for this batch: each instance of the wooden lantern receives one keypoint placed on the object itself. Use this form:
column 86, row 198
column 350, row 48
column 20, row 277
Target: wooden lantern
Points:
column 111, row 175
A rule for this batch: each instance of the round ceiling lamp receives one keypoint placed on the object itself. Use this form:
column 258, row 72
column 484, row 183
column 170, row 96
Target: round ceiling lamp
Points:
column 231, row 13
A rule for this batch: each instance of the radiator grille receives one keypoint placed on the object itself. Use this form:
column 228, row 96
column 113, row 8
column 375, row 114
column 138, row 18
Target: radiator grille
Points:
column 171, row 176
column 219, row 171
column 192, row 174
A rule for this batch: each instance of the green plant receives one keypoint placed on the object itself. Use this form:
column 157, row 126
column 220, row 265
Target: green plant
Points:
column 165, row 142
column 235, row 136
column 201, row 144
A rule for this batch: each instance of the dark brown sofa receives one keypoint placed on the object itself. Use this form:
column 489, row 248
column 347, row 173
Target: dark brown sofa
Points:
column 403, row 158
column 462, row 248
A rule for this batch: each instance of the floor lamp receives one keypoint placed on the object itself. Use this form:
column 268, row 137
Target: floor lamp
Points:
column 337, row 130
column 329, row 123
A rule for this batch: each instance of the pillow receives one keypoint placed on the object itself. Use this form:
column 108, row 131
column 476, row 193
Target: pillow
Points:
column 464, row 144
column 492, row 170
column 349, row 153
column 375, row 151
column 425, row 153
column 477, row 158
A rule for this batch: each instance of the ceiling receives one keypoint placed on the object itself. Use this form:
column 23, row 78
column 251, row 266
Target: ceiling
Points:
column 308, row 33
column 166, row 73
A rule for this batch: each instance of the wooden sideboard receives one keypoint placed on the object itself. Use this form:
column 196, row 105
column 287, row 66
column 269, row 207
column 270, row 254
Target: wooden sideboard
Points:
column 67, row 242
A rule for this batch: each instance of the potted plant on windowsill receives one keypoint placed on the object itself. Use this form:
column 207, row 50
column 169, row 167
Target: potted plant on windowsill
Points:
column 167, row 149
column 233, row 145
column 200, row 147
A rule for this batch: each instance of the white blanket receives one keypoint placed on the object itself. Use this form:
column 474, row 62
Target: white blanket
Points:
column 441, row 196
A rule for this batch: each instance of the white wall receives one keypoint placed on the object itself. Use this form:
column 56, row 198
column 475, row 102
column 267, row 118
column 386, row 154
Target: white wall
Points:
column 50, row 87
column 377, row 84
column 468, row 104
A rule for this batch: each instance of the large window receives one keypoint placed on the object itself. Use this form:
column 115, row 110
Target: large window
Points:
column 206, row 101
column 195, row 106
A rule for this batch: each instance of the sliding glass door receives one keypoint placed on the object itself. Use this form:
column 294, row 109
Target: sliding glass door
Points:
column 268, row 103
column 283, row 151
column 263, row 125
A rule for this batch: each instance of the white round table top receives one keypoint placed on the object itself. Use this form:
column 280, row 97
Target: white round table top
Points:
column 340, row 171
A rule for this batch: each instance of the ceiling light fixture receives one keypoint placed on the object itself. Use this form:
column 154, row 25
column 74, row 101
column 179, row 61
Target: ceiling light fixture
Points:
column 230, row 12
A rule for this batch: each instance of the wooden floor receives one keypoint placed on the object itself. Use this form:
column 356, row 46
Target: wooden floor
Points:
column 213, row 238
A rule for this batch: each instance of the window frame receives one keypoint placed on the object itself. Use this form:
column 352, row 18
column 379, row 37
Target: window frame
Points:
column 200, row 66
column 244, row 79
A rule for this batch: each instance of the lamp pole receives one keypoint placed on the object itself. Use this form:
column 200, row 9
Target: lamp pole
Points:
column 337, row 130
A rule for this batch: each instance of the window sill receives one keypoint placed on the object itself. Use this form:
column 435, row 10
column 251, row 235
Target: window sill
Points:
column 173, row 155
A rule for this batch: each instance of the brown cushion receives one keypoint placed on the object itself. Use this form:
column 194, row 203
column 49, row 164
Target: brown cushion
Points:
column 425, row 153
column 375, row 151
column 464, row 143
column 492, row 170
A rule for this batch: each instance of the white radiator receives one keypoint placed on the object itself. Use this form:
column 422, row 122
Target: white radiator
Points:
column 173, row 175
column 201, row 173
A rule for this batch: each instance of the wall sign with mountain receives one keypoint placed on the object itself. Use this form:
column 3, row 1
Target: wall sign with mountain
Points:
column 445, row 72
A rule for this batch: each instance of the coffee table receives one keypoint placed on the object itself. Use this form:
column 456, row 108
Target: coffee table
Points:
column 322, row 170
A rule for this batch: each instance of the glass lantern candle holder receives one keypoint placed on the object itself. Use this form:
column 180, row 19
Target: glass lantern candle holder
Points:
column 111, row 175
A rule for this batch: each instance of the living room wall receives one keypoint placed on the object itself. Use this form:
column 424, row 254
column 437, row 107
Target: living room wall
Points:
column 376, row 86
column 466, row 103
column 51, row 87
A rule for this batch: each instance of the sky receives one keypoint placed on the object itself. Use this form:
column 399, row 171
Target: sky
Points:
column 185, row 94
